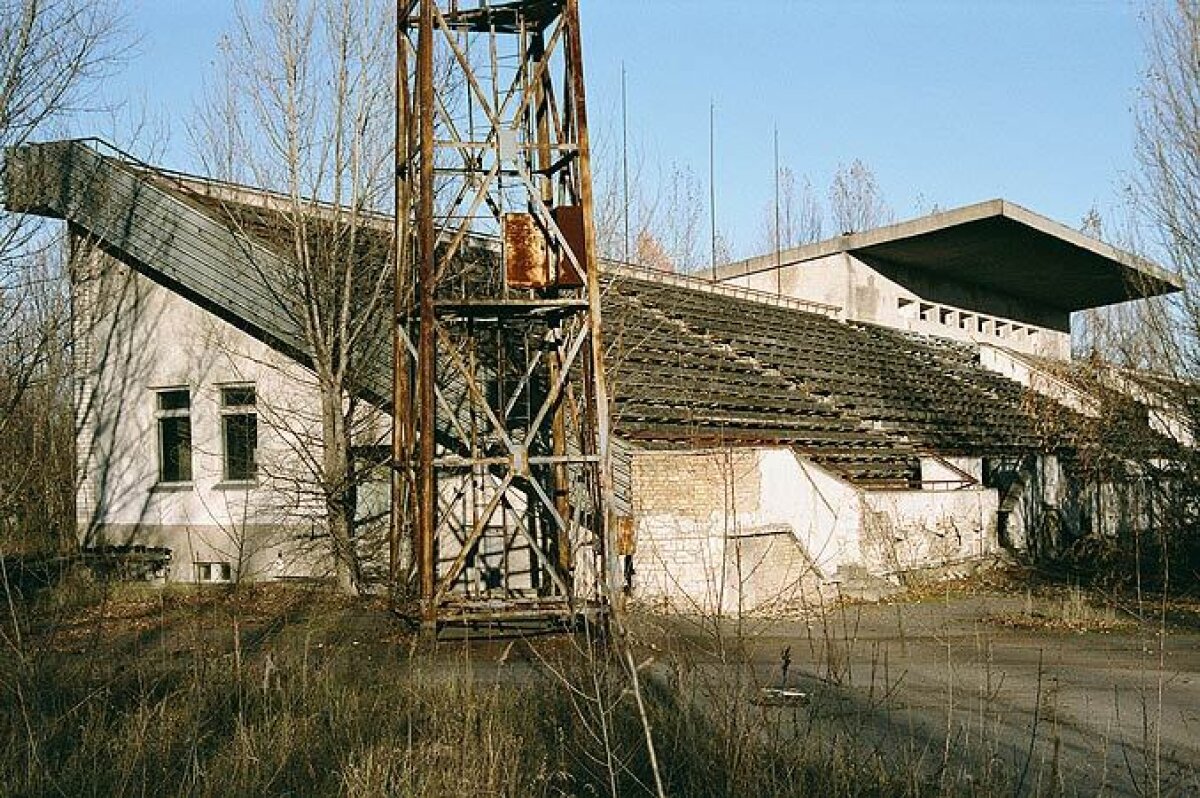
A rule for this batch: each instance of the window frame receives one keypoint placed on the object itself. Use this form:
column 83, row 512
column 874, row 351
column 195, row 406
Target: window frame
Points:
column 229, row 411
column 163, row 415
column 204, row 570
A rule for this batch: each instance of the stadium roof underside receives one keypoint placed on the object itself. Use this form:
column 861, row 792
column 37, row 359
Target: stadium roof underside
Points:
column 999, row 246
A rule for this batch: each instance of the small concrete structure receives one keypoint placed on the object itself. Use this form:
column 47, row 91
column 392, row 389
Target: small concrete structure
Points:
column 762, row 530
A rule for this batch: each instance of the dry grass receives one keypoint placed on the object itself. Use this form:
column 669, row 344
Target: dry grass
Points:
column 1069, row 609
column 285, row 691
column 289, row 691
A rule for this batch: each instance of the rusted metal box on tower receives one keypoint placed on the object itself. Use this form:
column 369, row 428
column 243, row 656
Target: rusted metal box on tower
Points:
column 530, row 259
column 569, row 219
column 526, row 256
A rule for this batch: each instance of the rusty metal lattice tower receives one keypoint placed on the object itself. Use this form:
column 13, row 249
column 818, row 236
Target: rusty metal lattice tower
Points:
column 501, row 443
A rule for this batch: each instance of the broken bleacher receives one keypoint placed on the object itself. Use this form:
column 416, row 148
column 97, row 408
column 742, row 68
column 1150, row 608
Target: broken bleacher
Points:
column 693, row 368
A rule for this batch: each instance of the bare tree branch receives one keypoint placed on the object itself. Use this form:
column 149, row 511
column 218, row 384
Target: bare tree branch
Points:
column 302, row 102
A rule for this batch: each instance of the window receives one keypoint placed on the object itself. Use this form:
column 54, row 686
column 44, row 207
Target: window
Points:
column 214, row 572
column 239, row 433
column 174, row 436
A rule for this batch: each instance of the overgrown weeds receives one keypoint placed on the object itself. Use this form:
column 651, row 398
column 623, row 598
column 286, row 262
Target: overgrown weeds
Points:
column 299, row 692
column 1071, row 609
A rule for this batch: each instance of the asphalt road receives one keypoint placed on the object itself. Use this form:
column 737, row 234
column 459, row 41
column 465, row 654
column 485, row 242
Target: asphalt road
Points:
column 997, row 685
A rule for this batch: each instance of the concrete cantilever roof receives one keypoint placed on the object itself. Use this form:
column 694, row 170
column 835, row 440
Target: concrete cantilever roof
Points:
column 999, row 246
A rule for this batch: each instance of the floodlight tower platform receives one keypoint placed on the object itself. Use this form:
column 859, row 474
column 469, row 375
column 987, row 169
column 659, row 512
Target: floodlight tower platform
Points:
column 503, row 480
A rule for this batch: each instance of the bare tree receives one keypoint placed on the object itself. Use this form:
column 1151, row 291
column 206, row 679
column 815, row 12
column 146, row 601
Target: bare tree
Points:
column 650, row 253
column 801, row 219
column 35, row 411
column 303, row 103
column 1131, row 334
column 855, row 201
column 618, row 176
column 1168, row 151
column 1162, row 334
column 651, row 213
column 53, row 56
column 671, row 223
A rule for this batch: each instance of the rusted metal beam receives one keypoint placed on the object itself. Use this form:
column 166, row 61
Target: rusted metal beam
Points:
column 597, row 386
column 403, row 487
column 426, row 365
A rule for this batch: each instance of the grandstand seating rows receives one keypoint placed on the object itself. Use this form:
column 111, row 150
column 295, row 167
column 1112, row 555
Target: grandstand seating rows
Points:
column 691, row 367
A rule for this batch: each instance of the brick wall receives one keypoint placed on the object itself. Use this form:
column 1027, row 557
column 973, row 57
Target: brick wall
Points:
column 707, row 538
column 695, row 484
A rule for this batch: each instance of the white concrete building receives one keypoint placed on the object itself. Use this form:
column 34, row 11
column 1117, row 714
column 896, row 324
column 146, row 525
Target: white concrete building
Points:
column 192, row 434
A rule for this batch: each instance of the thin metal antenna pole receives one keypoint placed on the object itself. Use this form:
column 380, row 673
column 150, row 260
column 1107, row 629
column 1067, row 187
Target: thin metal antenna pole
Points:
column 625, row 162
column 778, row 239
column 712, row 185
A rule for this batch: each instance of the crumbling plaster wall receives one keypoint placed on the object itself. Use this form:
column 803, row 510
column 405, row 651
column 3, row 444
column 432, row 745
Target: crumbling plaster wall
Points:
column 728, row 530
column 908, row 530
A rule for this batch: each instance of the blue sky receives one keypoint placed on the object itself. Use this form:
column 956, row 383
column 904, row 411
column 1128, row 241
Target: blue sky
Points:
column 948, row 101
